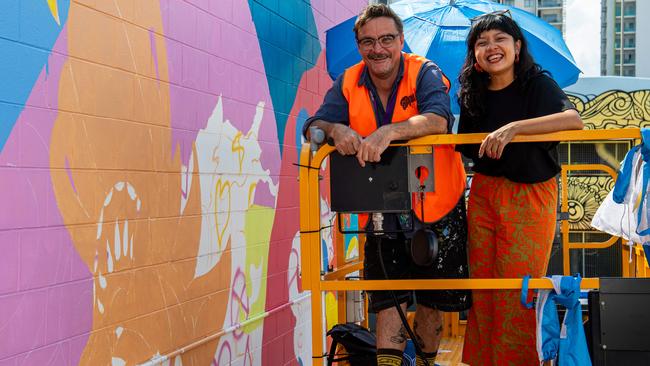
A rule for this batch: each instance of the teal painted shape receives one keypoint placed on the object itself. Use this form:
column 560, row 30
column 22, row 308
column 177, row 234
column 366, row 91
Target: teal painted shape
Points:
column 28, row 32
column 288, row 39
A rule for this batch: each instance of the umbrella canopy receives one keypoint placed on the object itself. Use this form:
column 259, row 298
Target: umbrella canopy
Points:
column 437, row 29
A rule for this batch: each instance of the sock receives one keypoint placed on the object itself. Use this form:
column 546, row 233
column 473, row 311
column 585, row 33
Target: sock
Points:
column 431, row 358
column 389, row 357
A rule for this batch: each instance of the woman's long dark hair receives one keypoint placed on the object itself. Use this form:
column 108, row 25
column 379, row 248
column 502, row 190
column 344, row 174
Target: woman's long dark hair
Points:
column 474, row 84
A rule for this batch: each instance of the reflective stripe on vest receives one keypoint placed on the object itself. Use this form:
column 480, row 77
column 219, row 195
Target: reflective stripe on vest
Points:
column 449, row 174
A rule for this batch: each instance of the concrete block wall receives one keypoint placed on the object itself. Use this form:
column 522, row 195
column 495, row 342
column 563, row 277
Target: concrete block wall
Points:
column 149, row 201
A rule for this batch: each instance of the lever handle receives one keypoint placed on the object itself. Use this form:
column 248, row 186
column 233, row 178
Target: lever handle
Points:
column 316, row 137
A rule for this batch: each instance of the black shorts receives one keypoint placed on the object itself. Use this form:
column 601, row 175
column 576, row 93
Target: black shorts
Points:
column 451, row 263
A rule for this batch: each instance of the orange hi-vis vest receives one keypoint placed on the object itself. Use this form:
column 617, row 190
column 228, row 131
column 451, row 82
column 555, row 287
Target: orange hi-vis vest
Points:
column 449, row 173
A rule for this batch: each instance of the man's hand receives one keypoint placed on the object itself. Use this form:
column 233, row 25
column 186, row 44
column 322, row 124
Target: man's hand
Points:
column 346, row 140
column 374, row 145
column 494, row 143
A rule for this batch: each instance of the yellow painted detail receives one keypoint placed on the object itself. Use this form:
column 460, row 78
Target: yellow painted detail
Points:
column 331, row 310
column 54, row 9
column 353, row 248
column 416, row 150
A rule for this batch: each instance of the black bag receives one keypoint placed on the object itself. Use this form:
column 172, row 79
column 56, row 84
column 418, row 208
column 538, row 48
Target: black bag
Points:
column 354, row 343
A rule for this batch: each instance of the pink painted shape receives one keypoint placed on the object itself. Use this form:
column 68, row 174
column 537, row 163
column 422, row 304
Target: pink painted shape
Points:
column 35, row 130
column 46, row 260
column 278, row 332
column 220, row 59
column 23, row 319
column 9, row 261
column 9, row 362
column 62, row 353
column 47, row 256
column 67, row 313
column 52, row 355
column 328, row 13
column 223, row 9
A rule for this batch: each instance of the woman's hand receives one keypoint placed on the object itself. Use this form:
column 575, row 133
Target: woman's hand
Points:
column 494, row 143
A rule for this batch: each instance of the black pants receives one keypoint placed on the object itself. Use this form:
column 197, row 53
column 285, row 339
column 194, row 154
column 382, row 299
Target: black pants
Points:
column 451, row 263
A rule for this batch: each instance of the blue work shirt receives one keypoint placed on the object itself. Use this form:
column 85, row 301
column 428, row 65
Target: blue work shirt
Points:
column 431, row 96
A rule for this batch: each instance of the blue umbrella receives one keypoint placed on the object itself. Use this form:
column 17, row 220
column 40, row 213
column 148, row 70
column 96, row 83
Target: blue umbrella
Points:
column 438, row 29
column 341, row 48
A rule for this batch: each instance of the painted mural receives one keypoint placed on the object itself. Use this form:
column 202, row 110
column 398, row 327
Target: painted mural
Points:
column 149, row 198
column 150, row 207
column 603, row 103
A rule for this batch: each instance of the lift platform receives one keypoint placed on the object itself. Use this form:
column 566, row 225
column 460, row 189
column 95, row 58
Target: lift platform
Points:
column 318, row 280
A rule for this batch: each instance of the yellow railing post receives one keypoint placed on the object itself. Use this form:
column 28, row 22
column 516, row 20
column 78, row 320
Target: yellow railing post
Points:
column 567, row 245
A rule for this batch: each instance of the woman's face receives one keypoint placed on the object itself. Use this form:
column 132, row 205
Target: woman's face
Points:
column 495, row 52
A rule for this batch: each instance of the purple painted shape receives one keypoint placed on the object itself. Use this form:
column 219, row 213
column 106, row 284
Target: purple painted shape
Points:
column 67, row 313
column 23, row 319
column 51, row 355
column 10, row 158
column 9, row 362
column 195, row 69
column 30, row 203
column 329, row 13
column 182, row 22
column 46, row 258
column 223, row 9
column 9, row 261
column 35, row 131
column 229, row 64
column 63, row 353
column 263, row 195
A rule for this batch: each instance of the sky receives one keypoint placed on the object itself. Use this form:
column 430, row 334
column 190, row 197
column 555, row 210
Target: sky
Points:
column 583, row 34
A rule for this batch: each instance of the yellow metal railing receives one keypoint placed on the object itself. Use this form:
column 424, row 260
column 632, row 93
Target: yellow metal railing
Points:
column 310, row 227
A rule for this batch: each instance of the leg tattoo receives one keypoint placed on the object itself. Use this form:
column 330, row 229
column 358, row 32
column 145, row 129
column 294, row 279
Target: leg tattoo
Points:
column 417, row 335
column 400, row 337
column 439, row 330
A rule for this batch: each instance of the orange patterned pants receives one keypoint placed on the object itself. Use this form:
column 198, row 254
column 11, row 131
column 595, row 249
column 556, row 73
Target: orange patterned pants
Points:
column 511, row 229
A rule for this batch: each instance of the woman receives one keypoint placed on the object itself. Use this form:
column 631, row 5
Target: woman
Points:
column 513, row 198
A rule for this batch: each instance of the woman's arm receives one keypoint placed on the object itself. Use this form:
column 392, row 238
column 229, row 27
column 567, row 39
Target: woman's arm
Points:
column 495, row 142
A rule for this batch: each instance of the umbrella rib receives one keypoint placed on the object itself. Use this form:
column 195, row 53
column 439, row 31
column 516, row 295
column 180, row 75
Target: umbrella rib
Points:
column 424, row 20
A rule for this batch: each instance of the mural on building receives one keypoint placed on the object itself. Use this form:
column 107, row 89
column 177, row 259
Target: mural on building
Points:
column 150, row 206
column 146, row 168
column 603, row 103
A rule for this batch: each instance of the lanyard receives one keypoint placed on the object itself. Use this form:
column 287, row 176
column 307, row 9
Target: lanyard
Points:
column 388, row 113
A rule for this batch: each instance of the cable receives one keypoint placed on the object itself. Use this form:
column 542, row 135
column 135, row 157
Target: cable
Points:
column 418, row 349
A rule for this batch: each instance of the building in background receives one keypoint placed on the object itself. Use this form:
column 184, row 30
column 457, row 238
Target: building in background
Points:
column 552, row 11
column 623, row 39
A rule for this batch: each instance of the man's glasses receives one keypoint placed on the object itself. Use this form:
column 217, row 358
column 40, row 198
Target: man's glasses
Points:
column 385, row 41
column 505, row 12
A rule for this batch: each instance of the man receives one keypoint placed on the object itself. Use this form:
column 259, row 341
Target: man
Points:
column 390, row 96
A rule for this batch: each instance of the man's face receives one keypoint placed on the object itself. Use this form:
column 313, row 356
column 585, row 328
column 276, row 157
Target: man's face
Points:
column 380, row 45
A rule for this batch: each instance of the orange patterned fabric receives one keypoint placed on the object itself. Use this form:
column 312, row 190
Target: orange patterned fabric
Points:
column 511, row 229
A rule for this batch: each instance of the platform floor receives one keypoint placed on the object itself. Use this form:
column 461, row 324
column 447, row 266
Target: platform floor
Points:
column 450, row 351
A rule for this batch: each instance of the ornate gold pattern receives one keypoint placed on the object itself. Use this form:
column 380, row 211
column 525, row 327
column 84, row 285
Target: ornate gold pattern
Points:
column 585, row 194
column 614, row 109
column 610, row 110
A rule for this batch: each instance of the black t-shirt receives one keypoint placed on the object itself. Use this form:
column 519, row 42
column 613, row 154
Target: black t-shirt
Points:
column 523, row 162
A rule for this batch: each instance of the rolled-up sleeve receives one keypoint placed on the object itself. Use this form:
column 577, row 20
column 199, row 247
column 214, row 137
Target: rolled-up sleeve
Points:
column 432, row 94
column 334, row 108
